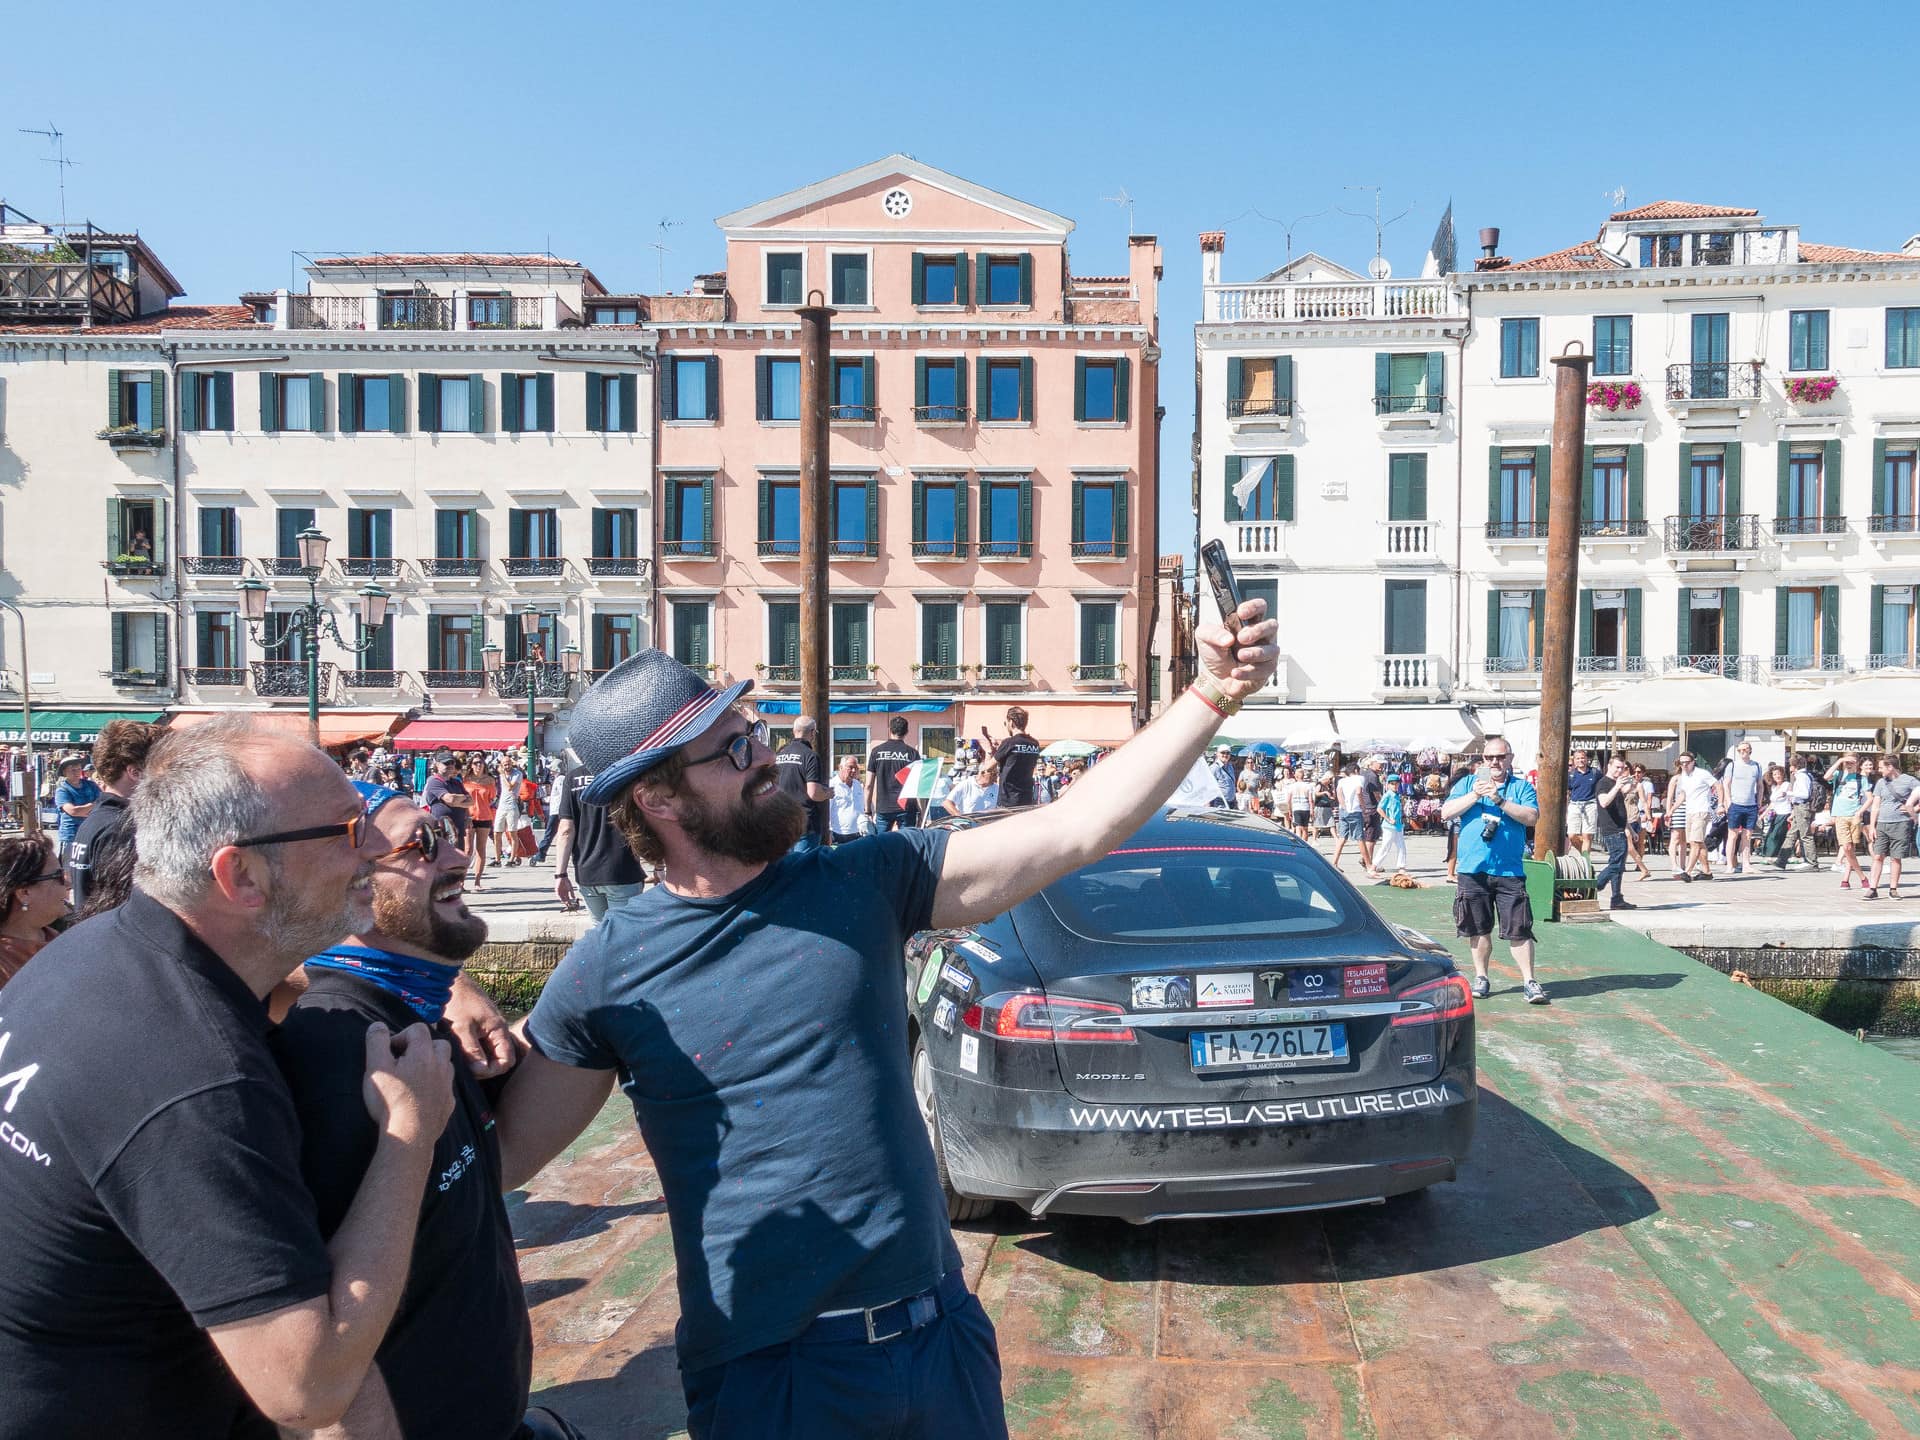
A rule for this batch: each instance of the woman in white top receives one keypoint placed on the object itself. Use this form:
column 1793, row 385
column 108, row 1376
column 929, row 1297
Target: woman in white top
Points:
column 1779, row 807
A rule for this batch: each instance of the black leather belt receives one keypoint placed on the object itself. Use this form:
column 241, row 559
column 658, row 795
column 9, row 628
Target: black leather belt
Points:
column 892, row 1320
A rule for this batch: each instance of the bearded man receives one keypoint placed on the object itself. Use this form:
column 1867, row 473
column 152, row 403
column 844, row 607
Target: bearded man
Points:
column 457, row 1360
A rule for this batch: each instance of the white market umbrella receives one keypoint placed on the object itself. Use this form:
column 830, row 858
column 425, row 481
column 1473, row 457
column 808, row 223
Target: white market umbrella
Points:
column 1069, row 750
column 1876, row 699
column 1698, row 700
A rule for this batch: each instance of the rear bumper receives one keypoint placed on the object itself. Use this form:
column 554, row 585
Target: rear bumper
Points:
column 1053, row 1154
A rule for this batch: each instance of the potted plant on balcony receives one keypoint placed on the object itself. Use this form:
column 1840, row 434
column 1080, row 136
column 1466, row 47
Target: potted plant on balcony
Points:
column 130, row 564
column 131, row 437
column 1615, row 396
column 1811, row 389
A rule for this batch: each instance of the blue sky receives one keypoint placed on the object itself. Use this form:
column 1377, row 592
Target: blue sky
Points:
column 234, row 135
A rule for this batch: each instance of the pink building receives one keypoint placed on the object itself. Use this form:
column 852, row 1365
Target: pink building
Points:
column 994, row 454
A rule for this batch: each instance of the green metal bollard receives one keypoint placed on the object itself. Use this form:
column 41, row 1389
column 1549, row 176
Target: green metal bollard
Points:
column 1542, row 887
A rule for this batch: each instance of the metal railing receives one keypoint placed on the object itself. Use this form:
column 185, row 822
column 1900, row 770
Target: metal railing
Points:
column 1112, row 549
column 1609, row 530
column 1609, row 665
column 1516, row 530
column 853, row 549
column 136, row 677
column 214, row 564
column 939, row 549
column 1730, row 667
column 1512, row 665
column 704, row 549
column 1887, row 660
column 850, row 674
column 287, row 679
column 1907, row 524
column 365, row 567
column 546, row 679
column 940, row 674
column 1360, row 300
column 941, row 414
column 504, row 312
column 630, row 567
column 1000, row 674
column 453, row 679
column 468, row 567
column 1823, row 664
column 783, row 674
column 1785, row 526
column 853, row 414
column 416, row 312
column 777, row 549
column 215, row 674
column 1407, row 539
column 1712, row 532
column 1409, row 404
column 1242, row 408
column 1005, row 549
column 1096, row 674
column 1714, row 380
column 372, row 679
column 1408, row 672
column 285, row 565
column 326, row 312
column 534, row 566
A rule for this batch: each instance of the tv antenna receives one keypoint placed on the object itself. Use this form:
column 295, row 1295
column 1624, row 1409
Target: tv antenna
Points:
column 661, row 249
column 1123, row 198
column 1378, row 266
column 1616, row 197
column 57, row 143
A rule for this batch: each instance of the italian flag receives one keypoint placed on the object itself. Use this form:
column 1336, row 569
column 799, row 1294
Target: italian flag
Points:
column 922, row 780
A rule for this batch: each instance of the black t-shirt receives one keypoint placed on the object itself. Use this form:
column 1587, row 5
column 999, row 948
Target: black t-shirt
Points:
column 600, row 855
column 96, row 838
column 795, row 767
column 1612, row 818
column 149, row 1185
column 434, row 798
column 458, row 1358
column 1373, row 788
column 886, row 762
column 1016, row 757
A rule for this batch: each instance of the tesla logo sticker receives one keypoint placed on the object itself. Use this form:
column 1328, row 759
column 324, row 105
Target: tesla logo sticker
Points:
column 1226, row 990
column 1363, row 981
column 970, row 1054
column 1162, row 992
column 1273, row 980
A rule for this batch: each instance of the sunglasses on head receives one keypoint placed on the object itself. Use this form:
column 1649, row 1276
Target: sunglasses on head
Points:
column 429, row 836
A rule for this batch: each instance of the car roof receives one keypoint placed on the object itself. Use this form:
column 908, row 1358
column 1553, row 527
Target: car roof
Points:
column 1177, row 826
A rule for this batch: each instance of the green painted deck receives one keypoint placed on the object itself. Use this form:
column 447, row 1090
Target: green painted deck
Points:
column 1690, row 1211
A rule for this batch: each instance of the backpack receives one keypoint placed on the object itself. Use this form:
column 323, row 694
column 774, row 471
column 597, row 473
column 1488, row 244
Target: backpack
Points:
column 1819, row 797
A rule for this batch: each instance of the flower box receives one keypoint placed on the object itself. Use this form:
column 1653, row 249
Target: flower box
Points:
column 1614, row 396
column 132, row 437
column 1811, row 389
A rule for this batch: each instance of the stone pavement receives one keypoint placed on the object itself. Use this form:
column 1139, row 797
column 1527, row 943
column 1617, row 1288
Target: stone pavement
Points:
column 1689, row 1211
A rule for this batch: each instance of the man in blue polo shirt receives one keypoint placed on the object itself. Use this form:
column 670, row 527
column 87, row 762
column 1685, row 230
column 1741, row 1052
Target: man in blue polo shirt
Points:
column 1494, row 807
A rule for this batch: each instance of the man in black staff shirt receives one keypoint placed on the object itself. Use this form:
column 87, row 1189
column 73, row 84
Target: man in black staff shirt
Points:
column 458, row 1358
column 605, row 871
column 885, row 762
column 163, row 1264
column 1017, row 756
column 802, row 775
column 1610, row 817
column 118, row 759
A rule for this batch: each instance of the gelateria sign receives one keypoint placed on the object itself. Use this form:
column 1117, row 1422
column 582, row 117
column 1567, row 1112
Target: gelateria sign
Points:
column 65, row 727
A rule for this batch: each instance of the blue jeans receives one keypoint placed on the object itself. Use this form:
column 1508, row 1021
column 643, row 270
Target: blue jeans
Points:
column 888, row 820
column 1616, row 867
column 599, row 897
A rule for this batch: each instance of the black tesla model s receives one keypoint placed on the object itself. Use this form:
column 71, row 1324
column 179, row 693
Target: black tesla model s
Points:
column 1207, row 1021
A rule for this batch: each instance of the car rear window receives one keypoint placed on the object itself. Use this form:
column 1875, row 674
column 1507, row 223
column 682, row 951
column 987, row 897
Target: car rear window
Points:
column 1196, row 893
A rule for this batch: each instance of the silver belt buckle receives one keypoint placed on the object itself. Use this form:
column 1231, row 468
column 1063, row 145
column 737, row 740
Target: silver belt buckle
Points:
column 867, row 1315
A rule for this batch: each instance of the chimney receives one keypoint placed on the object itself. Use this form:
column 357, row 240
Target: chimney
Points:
column 1213, row 244
column 1490, row 241
column 711, row 284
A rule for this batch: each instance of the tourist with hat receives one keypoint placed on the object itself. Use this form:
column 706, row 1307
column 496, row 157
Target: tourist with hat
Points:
column 73, row 799
column 752, row 1007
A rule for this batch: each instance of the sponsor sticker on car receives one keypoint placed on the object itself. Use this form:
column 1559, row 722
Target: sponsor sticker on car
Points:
column 1162, row 992
column 957, row 978
column 943, row 1015
column 1365, row 981
column 929, row 975
column 1264, row 1112
column 1320, row 982
column 1219, row 990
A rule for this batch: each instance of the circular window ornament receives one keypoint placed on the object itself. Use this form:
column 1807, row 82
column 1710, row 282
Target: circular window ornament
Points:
column 897, row 203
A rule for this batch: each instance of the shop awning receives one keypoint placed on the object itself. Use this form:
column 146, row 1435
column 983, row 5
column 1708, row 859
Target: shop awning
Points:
column 337, row 727
column 1356, row 729
column 1098, row 722
column 65, row 727
column 462, row 735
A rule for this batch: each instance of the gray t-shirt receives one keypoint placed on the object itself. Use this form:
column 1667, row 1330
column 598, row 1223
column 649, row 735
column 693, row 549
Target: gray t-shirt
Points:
column 761, row 1037
column 1892, row 794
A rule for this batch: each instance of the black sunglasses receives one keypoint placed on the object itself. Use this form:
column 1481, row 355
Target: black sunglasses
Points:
column 740, row 748
column 430, row 836
column 59, row 875
column 354, row 829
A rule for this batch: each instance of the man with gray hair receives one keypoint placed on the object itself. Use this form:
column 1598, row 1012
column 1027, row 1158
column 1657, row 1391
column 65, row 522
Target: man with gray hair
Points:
column 166, row 1274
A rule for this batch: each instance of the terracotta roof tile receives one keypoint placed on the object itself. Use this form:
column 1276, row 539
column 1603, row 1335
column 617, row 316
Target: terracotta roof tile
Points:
column 177, row 317
column 1584, row 256
column 1816, row 254
column 1680, row 210
column 402, row 258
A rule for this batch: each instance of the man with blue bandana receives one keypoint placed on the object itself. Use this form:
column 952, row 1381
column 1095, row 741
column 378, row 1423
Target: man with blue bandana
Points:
column 457, row 1359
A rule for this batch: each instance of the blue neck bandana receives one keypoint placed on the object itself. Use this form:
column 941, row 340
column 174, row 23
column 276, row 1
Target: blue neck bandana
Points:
column 422, row 985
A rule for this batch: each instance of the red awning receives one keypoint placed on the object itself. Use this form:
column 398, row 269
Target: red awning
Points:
column 337, row 727
column 462, row 735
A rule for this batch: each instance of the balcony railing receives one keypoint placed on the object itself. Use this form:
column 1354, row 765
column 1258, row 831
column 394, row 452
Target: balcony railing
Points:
column 1804, row 664
column 136, row 677
column 940, row 549
column 1400, row 673
column 545, row 679
column 1716, row 380
column 365, row 567
column 1609, row 665
column 850, row 674
column 287, row 679
column 132, row 437
column 941, row 414
column 33, row 289
column 286, row 565
column 853, row 414
column 1730, row 667
column 1361, row 300
column 1005, row 550
column 1259, row 537
column 1407, row 539
column 1503, row 666
column 372, row 679
column 630, row 567
column 1241, row 408
column 940, row 674
column 1789, row 526
column 1409, row 404
column 214, row 564
column 504, row 312
column 1098, row 674
column 467, row 567
column 697, row 549
column 234, row 675
column 1712, row 533
column 777, row 549
column 416, row 312
column 1001, row 674
column 1891, row 661
column 1907, row 524
column 523, row 567
column 326, row 312
column 1610, row 530
column 1516, row 530
column 453, row 679
column 783, row 674
column 853, row 549
column 1098, row 549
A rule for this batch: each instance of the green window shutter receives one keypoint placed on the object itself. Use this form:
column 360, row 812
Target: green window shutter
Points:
column 1120, row 517
column 1586, row 621
column 919, row 279
column 1436, row 378
column 1683, row 639
column 436, row 642
column 919, row 511
column 1633, row 624
column 1382, row 375
column 867, row 386
column 1542, row 483
column 160, row 533
column 629, row 404
column 663, row 386
column 1417, row 487
column 765, row 532
column 1026, row 516
column 981, row 388
column 1493, row 484
column 962, row 499
column 1830, row 480
column 1686, row 481
column 602, row 532
column 1283, row 379
column 1829, row 619
column 429, row 397
column 1233, row 478
column 317, row 399
column 120, row 643
column 479, row 637
column 349, row 388
column 1734, row 507
column 762, row 388
column 713, row 388
column 113, row 529
column 596, row 402
column 873, row 515
column 1026, row 388
column 190, row 404
column 397, row 404
column 1079, row 387
column 510, row 387
column 517, row 532
column 1079, row 511
column 269, row 402
column 476, row 404
column 1283, row 487
column 1783, row 478
column 160, row 638
column 960, row 383
column 1493, row 620
column 980, row 264
column 1878, row 484
column 919, row 384
column 1539, row 622
column 1729, row 620
column 706, row 515
column 1876, row 621
column 223, row 400
column 1122, row 389
column 113, row 411
column 1637, row 482
column 1236, row 380
column 960, row 295
column 1780, row 603
column 1026, row 280
column 1586, row 482
column 158, row 378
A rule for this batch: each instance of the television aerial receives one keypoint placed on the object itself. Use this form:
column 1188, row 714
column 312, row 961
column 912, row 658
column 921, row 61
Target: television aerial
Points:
column 1377, row 267
column 57, row 143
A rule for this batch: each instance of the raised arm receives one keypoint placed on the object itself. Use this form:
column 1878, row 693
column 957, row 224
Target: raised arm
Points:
column 542, row 1111
column 989, row 869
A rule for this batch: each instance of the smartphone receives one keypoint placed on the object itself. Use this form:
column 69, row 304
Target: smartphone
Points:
column 1226, row 588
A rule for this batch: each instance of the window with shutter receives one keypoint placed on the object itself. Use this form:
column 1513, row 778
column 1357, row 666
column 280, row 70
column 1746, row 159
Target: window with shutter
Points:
column 629, row 388
column 510, row 396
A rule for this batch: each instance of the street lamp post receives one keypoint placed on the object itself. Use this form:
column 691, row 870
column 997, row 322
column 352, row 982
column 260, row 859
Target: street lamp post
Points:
column 312, row 621
column 533, row 666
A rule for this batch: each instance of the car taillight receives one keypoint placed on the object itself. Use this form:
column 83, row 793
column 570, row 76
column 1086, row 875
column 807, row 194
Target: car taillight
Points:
column 1454, row 1001
column 1043, row 1017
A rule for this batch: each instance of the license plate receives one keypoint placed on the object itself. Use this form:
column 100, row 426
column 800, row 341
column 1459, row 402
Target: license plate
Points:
column 1268, row 1049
